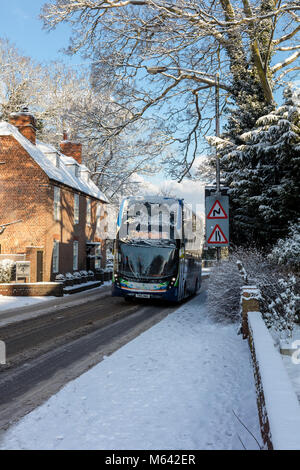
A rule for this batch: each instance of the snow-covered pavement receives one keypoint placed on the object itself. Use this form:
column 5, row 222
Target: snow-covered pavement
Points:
column 10, row 302
column 176, row 386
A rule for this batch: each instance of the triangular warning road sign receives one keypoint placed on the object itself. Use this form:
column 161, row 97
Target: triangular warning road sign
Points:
column 217, row 211
column 217, row 237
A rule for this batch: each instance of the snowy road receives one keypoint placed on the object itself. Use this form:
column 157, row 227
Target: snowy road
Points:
column 173, row 387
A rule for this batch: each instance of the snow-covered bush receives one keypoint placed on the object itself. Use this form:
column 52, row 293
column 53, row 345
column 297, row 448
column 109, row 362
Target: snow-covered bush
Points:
column 69, row 276
column 280, row 316
column 279, row 296
column 226, row 279
column 287, row 251
column 278, row 291
column 91, row 273
column 60, row 278
column 83, row 273
column 224, row 291
column 7, row 270
column 76, row 275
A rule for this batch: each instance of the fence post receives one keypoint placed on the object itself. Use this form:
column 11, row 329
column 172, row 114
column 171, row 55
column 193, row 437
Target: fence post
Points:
column 250, row 303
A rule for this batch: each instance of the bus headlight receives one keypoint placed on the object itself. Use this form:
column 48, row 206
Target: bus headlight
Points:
column 172, row 282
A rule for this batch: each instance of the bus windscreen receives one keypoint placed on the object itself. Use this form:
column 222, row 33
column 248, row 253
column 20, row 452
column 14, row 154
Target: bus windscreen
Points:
column 146, row 261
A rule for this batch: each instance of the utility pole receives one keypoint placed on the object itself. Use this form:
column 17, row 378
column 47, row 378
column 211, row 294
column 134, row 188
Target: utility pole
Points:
column 217, row 102
column 218, row 183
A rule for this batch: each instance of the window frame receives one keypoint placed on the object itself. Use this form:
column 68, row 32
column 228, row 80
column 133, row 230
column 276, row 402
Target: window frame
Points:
column 76, row 209
column 98, row 218
column 75, row 255
column 88, row 211
column 57, row 204
column 98, row 261
column 55, row 257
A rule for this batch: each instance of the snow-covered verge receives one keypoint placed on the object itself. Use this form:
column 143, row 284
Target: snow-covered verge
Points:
column 186, row 383
column 278, row 404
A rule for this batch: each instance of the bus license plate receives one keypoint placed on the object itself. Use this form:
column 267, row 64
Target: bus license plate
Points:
column 143, row 296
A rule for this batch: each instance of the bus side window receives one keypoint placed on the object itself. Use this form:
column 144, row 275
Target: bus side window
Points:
column 138, row 227
column 160, row 225
column 172, row 221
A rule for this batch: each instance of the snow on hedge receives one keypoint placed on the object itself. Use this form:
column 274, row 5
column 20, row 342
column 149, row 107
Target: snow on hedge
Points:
column 6, row 270
column 287, row 251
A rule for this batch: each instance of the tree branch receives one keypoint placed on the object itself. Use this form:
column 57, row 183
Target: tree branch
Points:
column 286, row 62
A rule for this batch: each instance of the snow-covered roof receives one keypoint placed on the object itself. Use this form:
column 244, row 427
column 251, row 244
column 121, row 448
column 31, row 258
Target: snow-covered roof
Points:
column 41, row 154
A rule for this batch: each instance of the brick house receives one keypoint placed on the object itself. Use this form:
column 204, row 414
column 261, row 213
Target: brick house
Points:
column 62, row 211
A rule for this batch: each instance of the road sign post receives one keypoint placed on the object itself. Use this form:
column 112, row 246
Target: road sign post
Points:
column 217, row 219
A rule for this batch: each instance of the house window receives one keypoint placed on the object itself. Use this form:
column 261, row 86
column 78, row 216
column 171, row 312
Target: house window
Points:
column 76, row 208
column 98, row 257
column 56, row 203
column 98, row 219
column 88, row 212
column 75, row 256
column 55, row 257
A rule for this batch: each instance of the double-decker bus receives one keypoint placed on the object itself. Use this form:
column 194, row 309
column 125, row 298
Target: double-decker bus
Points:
column 157, row 251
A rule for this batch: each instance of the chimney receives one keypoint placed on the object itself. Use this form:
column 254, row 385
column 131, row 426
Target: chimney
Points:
column 25, row 123
column 71, row 149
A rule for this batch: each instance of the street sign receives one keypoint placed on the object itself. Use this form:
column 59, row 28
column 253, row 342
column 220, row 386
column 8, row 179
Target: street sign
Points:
column 217, row 236
column 217, row 211
column 217, row 219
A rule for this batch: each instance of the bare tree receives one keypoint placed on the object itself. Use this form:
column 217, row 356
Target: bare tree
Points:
column 89, row 114
column 64, row 99
column 20, row 78
column 163, row 56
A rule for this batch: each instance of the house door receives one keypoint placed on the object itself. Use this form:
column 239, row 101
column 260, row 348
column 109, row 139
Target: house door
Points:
column 39, row 266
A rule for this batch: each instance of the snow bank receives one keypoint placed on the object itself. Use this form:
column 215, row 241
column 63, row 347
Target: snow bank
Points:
column 281, row 413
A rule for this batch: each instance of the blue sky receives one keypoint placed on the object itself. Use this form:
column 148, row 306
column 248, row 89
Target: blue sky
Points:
column 20, row 23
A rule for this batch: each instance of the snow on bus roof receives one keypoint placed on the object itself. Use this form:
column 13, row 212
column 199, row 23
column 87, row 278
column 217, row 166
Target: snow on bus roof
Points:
column 40, row 154
column 153, row 199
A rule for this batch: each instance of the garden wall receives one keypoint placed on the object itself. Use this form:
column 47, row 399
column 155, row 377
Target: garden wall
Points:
column 32, row 289
column 278, row 406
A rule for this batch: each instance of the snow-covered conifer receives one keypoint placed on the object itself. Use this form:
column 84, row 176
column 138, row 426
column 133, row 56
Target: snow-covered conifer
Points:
column 263, row 174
